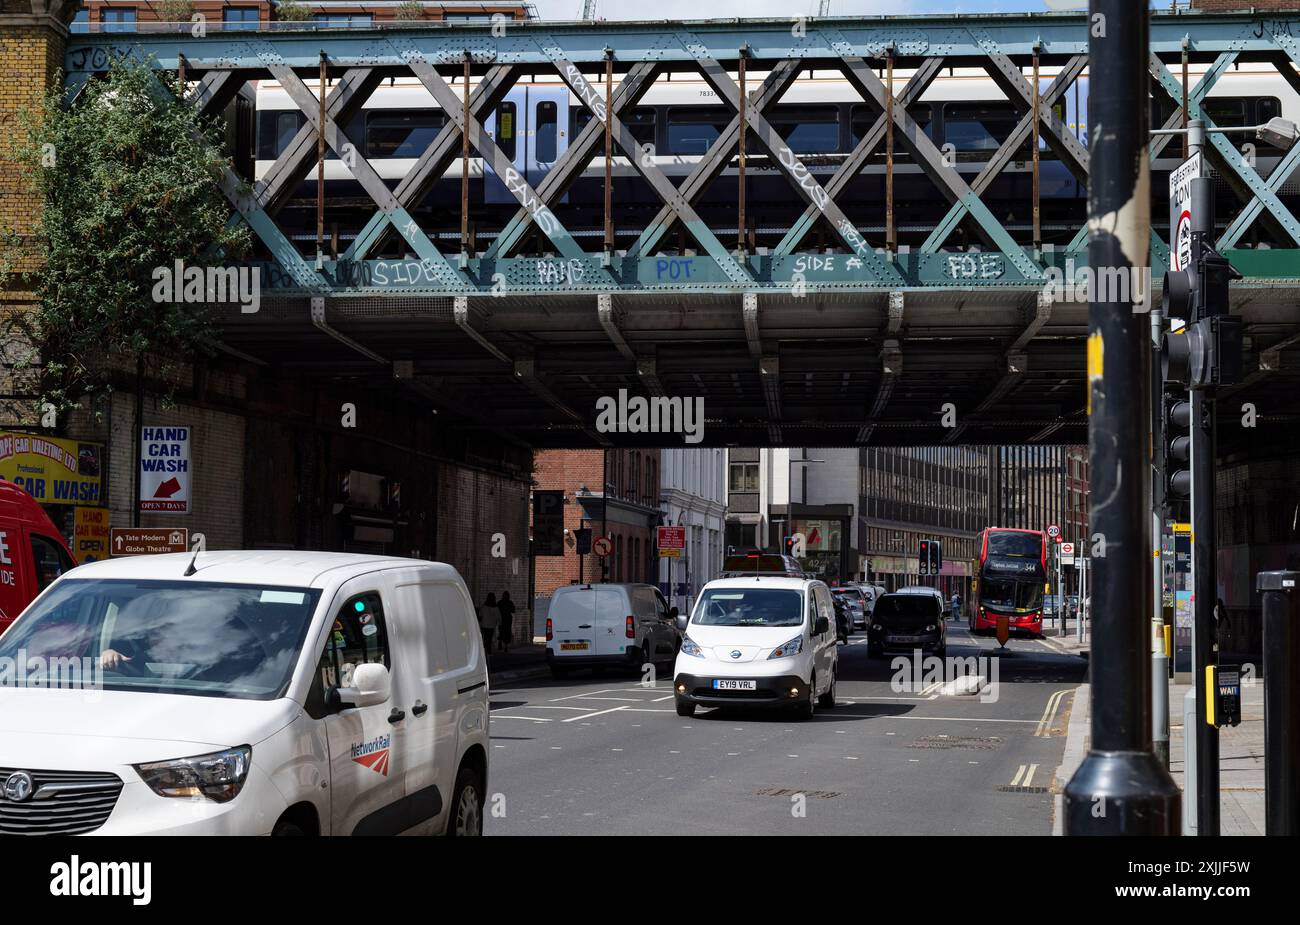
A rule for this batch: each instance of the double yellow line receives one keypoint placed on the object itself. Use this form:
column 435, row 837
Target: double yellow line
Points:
column 1044, row 728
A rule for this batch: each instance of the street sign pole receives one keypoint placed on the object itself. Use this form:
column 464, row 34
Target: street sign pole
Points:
column 1119, row 788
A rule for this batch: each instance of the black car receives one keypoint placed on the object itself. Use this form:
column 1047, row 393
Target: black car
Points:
column 907, row 622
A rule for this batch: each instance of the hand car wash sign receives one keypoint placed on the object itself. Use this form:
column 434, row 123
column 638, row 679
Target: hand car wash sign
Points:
column 165, row 469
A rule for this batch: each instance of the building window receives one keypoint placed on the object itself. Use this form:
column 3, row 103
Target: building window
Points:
column 118, row 20
column 743, row 477
column 240, row 18
column 343, row 20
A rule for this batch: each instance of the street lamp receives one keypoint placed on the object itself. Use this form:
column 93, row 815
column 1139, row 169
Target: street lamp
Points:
column 1278, row 132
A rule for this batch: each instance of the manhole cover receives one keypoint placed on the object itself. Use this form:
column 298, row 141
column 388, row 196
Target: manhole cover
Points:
column 1006, row 788
column 791, row 791
column 979, row 743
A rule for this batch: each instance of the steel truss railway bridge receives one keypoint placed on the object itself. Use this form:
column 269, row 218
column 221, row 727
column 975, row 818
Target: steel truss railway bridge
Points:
column 824, row 339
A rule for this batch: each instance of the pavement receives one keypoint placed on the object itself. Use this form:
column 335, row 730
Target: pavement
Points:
column 1241, row 756
column 521, row 661
column 608, row 754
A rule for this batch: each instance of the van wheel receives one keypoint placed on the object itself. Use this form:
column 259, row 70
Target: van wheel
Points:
column 285, row 827
column 466, row 805
column 827, row 700
column 686, row 709
column 806, row 708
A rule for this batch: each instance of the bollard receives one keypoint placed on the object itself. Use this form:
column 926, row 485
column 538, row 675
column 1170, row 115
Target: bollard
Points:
column 1281, row 701
column 1190, row 719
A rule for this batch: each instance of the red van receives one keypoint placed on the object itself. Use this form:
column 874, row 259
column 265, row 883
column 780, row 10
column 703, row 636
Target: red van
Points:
column 32, row 553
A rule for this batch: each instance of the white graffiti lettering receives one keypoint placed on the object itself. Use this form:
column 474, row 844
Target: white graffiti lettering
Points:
column 804, row 178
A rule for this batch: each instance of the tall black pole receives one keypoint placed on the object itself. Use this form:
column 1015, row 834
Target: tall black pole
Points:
column 1120, row 789
column 1204, row 579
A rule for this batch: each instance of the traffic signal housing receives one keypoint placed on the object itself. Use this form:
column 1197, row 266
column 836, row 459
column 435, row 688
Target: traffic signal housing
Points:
column 1206, row 350
column 1177, row 420
column 923, row 556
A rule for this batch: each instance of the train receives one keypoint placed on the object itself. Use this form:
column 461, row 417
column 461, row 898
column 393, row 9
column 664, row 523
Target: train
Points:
column 821, row 116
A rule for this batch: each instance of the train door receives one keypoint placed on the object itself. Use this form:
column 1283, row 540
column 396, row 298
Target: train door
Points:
column 531, row 126
column 506, row 126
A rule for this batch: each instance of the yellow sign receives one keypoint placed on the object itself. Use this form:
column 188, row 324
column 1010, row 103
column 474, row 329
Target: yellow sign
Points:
column 670, row 553
column 1182, row 528
column 90, row 534
column 52, row 470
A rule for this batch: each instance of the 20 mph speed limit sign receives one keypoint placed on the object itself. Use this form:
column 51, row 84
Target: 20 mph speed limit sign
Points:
column 1053, row 531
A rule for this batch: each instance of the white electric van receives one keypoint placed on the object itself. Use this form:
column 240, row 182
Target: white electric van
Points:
column 246, row 693
column 758, row 641
column 609, row 625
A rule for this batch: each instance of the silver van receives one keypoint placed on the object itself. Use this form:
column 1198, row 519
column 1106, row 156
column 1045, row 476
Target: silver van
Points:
column 609, row 625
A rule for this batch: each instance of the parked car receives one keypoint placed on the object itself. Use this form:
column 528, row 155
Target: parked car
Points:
column 248, row 693
column 907, row 621
column 767, row 641
column 32, row 552
column 608, row 626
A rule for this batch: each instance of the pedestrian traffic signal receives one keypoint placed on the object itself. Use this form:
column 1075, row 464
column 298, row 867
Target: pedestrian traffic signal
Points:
column 1177, row 419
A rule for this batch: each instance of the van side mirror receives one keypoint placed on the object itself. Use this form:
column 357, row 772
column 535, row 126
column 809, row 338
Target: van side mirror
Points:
column 371, row 684
column 679, row 620
column 821, row 626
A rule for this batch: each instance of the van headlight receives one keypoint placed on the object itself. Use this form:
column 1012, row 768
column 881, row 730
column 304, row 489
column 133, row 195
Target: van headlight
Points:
column 218, row 777
column 786, row 649
column 690, row 648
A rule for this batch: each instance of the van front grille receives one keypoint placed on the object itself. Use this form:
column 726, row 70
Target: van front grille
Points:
column 61, row 802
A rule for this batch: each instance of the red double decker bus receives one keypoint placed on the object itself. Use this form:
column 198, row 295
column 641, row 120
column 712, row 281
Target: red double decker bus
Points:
column 1009, row 580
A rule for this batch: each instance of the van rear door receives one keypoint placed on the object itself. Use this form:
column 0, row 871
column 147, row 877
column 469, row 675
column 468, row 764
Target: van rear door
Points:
column 573, row 621
column 612, row 610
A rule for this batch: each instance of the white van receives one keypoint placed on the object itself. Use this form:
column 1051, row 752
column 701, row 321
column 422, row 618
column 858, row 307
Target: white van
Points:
column 279, row 693
column 760, row 641
column 618, row 626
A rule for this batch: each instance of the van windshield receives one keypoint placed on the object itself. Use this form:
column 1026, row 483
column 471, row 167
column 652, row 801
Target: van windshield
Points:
column 170, row 637
column 749, row 607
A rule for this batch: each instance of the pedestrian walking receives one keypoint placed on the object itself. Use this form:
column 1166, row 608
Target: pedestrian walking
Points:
column 489, row 618
column 507, row 631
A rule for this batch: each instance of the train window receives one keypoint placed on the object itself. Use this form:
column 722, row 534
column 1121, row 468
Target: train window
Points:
column 546, row 143
column 507, row 129
column 641, row 122
column 693, row 130
column 1226, row 112
column 402, row 133
column 863, row 117
column 808, row 129
column 286, row 126
column 978, row 126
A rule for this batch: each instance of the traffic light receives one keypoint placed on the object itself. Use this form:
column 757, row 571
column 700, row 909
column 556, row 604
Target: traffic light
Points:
column 789, row 545
column 1177, row 420
column 923, row 556
column 936, row 557
column 1206, row 349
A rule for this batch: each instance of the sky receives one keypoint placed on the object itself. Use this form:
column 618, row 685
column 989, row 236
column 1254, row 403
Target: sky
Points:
column 708, row 9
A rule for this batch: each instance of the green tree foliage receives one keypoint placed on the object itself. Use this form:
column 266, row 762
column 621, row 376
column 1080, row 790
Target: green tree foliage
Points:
column 129, row 178
column 289, row 11
column 174, row 10
column 409, row 10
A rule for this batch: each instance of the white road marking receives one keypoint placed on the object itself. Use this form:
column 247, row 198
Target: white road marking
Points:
column 956, row 719
column 573, row 719
column 531, row 719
